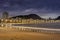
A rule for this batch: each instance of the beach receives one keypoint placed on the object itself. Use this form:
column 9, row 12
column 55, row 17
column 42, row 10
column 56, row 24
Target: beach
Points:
column 21, row 35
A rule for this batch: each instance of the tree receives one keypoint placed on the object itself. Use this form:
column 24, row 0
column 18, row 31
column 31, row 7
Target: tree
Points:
column 5, row 15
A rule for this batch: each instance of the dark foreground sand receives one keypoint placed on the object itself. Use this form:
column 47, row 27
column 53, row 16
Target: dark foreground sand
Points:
column 28, row 36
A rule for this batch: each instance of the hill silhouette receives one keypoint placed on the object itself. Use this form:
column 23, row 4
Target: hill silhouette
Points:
column 32, row 16
column 58, row 18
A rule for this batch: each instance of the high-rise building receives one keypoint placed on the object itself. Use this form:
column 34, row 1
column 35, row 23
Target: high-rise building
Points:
column 5, row 15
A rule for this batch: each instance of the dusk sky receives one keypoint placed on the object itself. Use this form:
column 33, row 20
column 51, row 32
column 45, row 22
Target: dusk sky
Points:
column 43, row 8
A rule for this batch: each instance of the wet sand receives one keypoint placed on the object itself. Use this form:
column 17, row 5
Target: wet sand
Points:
column 28, row 36
column 13, row 34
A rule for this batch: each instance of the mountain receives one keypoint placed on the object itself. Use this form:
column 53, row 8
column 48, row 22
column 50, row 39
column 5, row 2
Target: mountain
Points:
column 32, row 16
column 58, row 18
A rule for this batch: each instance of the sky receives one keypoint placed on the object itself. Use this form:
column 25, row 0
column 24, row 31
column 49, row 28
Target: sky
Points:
column 43, row 8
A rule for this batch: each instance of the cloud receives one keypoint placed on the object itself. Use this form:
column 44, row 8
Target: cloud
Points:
column 26, row 4
column 40, row 7
column 41, row 12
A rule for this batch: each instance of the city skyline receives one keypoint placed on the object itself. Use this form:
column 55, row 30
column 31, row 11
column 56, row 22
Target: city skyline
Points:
column 43, row 8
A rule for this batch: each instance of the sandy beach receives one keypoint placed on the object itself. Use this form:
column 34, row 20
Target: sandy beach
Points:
column 18, row 35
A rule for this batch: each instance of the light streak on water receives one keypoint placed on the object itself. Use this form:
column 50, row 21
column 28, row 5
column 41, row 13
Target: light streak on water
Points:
column 47, row 29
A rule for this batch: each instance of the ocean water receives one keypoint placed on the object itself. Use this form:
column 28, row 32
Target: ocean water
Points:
column 42, row 25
